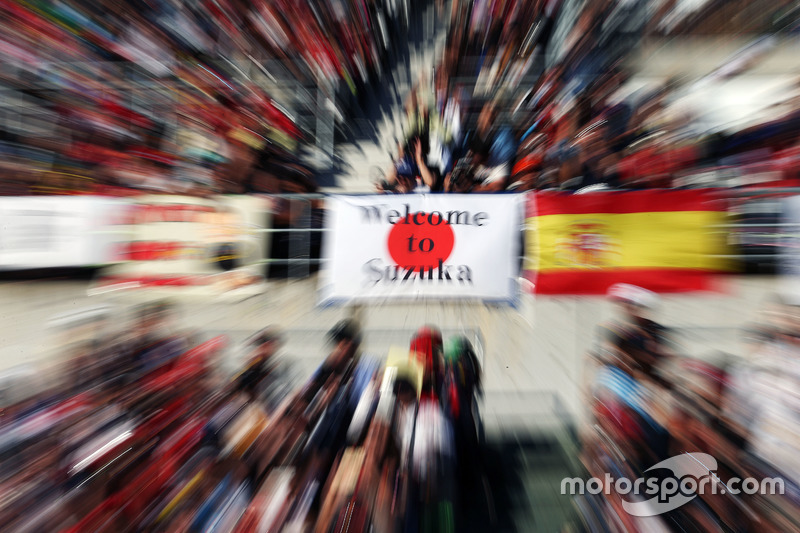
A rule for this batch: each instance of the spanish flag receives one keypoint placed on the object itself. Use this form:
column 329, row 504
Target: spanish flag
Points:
column 665, row 241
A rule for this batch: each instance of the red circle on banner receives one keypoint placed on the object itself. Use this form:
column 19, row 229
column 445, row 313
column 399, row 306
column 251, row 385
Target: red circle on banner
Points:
column 423, row 242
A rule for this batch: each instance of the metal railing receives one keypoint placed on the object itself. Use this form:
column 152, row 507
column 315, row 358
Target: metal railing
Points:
column 299, row 258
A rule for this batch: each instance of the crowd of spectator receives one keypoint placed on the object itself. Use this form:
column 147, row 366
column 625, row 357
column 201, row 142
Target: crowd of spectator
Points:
column 144, row 432
column 180, row 97
column 522, row 101
column 171, row 96
column 735, row 417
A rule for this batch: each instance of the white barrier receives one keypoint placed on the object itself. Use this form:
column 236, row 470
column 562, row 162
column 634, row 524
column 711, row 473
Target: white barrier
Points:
column 48, row 232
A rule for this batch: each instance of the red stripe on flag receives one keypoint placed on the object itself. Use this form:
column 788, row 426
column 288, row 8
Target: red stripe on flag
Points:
column 598, row 282
column 619, row 202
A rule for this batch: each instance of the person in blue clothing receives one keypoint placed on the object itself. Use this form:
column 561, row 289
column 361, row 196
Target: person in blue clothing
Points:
column 342, row 363
column 489, row 151
column 410, row 172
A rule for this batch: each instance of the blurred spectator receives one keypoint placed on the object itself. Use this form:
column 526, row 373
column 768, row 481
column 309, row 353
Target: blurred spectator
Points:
column 261, row 373
column 637, row 335
column 410, row 172
column 764, row 398
column 490, row 148
column 346, row 340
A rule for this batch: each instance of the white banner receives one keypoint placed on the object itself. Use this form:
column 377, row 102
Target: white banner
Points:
column 188, row 245
column 421, row 246
column 54, row 231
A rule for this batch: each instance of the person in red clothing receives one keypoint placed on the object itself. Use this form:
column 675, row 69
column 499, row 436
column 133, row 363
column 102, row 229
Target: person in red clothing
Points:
column 427, row 345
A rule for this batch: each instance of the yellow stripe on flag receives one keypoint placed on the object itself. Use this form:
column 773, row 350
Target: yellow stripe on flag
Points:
column 669, row 239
